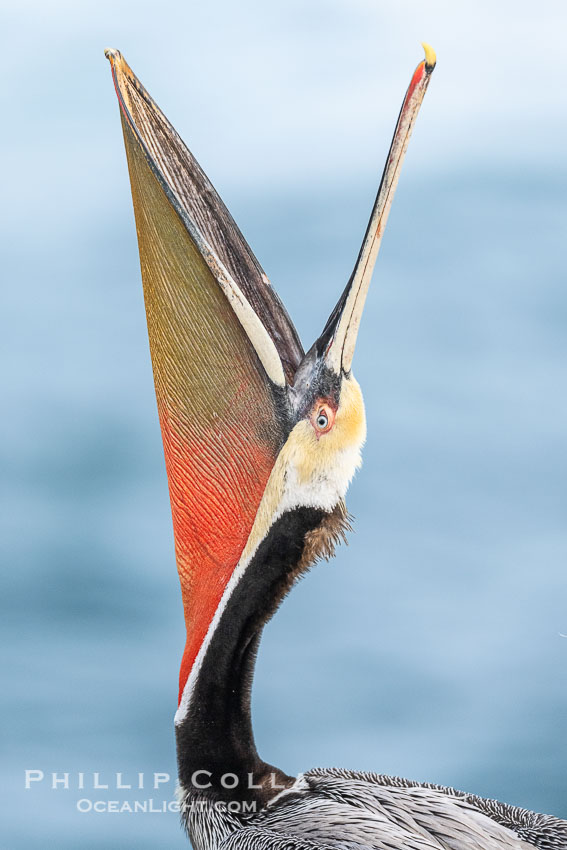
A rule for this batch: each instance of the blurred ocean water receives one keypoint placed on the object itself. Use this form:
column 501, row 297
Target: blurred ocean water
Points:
column 432, row 646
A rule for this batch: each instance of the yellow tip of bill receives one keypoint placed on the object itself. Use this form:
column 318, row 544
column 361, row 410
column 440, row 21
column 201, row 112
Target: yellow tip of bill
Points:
column 430, row 57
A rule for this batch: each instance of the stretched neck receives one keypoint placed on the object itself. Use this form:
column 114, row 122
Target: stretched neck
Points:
column 217, row 756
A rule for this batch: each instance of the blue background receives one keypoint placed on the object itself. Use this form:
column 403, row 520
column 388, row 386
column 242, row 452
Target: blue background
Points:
column 432, row 646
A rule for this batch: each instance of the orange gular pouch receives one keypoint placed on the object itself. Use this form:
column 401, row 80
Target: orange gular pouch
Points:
column 220, row 430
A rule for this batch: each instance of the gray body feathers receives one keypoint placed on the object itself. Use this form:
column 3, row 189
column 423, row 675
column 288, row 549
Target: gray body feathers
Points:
column 334, row 809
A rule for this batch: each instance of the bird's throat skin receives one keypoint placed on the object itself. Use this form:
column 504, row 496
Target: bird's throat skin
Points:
column 217, row 756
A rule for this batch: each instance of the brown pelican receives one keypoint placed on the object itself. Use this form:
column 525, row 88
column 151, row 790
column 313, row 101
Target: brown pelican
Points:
column 261, row 441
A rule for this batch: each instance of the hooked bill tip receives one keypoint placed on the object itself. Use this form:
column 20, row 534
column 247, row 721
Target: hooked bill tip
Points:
column 111, row 54
column 430, row 57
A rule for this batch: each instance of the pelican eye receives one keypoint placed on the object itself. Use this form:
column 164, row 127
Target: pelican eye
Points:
column 322, row 418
